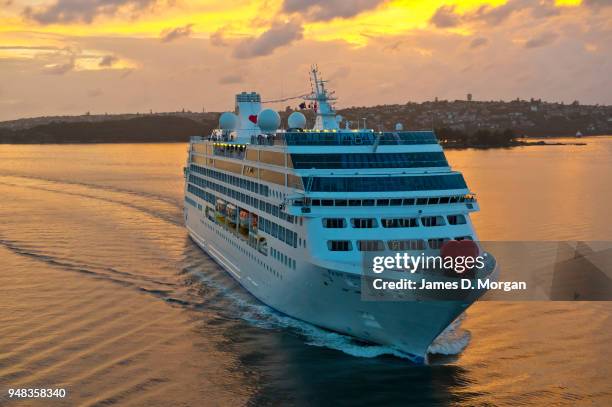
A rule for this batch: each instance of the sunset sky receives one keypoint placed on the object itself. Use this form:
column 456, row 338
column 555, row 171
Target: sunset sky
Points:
column 74, row 56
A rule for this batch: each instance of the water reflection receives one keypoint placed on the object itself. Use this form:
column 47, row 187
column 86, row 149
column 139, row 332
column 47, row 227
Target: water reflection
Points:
column 103, row 292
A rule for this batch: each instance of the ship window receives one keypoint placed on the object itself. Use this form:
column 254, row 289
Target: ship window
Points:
column 339, row 245
column 436, row 243
column 316, row 202
column 421, row 201
column 228, row 166
column 199, row 148
column 454, row 199
column 464, row 238
column 408, row 201
column 272, row 176
column 294, row 181
column 354, row 202
column 399, row 223
column 370, row 245
column 456, row 219
column 272, row 157
column 444, row 200
column 395, row 202
column 369, row 160
column 368, row 202
column 415, row 244
column 341, row 202
column 327, row 202
column 252, row 155
column 198, row 159
column 281, row 233
column 430, row 221
column 389, row 183
column 334, row 223
column 363, row 223
column 382, row 202
column 433, row 201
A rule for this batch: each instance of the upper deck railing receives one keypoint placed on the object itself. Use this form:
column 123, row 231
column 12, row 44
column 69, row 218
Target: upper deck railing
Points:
column 345, row 138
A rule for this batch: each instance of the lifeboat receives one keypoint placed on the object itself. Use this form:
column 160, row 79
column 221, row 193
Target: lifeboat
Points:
column 231, row 212
column 221, row 206
column 244, row 219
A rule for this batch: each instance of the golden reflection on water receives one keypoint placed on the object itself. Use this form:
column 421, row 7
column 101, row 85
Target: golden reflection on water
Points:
column 540, row 192
column 101, row 291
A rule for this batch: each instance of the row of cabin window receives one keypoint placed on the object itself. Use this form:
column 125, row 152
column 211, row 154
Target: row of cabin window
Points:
column 283, row 258
column 379, row 245
column 392, row 202
column 267, row 207
column 368, row 160
column 249, row 185
column 281, row 233
column 207, row 196
column 361, row 138
column 368, row 223
column 387, row 183
column 191, row 202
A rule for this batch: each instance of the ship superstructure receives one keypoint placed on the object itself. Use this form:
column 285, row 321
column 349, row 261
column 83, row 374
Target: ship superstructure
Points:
column 289, row 214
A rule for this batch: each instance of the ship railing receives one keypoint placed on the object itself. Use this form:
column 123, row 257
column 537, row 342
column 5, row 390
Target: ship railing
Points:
column 345, row 138
column 308, row 201
column 269, row 140
column 230, row 151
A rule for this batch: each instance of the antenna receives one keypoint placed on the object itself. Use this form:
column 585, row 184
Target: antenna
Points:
column 326, row 117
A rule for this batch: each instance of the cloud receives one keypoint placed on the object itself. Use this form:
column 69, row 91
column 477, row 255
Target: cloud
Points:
column 231, row 79
column 60, row 69
column 108, row 61
column 478, row 42
column 323, row 10
column 445, row 17
column 172, row 34
column 340, row 73
column 81, row 11
column 217, row 39
column 94, row 93
column 542, row 39
column 495, row 15
column 277, row 36
column 597, row 3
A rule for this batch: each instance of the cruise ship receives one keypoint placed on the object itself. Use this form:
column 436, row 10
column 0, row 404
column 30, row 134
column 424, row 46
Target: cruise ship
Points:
column 290, row 212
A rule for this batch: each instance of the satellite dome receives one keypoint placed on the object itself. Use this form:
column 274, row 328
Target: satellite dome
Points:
column 228, row 121
column 296, row 120
column 268, row 120
column 399, row 127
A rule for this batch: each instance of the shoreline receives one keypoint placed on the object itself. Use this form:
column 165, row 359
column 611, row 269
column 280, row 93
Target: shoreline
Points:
column 517, row 144
column 445, row 146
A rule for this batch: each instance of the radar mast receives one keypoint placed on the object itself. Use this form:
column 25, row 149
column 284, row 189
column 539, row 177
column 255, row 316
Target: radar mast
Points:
column 326, row 116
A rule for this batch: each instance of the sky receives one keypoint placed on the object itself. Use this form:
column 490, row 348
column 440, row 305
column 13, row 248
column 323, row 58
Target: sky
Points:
column 66, row 57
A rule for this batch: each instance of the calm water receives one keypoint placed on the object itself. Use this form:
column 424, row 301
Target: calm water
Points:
column 102, row 293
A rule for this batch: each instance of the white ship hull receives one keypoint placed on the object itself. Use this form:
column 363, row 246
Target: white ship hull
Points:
column 323, row 297
column 292, row 215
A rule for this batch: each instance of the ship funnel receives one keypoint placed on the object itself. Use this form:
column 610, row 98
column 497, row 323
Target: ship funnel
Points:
column 248, row 106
